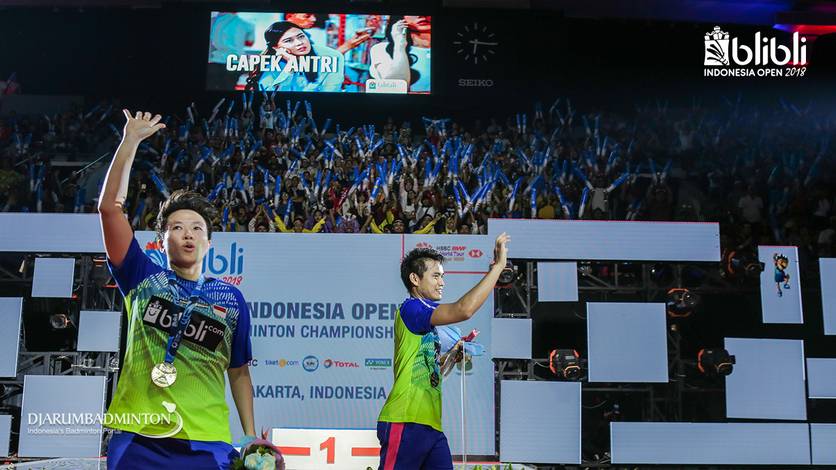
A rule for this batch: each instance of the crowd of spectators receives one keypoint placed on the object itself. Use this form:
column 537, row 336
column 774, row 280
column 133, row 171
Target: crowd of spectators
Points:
column 763, row 170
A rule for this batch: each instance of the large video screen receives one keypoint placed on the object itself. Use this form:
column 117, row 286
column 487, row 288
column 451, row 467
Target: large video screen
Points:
column 315, row 52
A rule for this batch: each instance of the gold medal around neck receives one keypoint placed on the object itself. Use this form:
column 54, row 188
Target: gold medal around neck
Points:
column 163, row 374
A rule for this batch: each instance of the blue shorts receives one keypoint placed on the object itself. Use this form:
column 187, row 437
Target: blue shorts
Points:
column 412, row 446
column 129, row 451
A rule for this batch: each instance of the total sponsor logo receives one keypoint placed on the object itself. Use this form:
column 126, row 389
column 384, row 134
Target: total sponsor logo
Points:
column 378, row 363
column 228, row 266
column 329, row 363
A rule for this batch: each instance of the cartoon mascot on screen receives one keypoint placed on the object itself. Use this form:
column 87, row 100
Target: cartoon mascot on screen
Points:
column 781, row 276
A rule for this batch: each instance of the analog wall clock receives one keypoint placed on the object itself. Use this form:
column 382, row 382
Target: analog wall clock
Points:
column 475, row 43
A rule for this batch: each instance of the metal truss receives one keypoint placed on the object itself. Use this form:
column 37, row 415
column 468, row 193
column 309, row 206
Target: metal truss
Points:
column 95, row 290
column 602, row 280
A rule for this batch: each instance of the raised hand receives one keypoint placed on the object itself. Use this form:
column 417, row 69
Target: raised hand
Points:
column 142, row 125
column 399, row 31
column 360, row 37
column 292, row 63
column 500, row 250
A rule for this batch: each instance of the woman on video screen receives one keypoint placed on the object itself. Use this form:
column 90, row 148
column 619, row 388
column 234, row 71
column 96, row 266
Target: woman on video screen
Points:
column 303, row 66
column 405, row 54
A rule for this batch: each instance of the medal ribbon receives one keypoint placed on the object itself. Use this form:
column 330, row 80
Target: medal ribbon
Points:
column 178, row 328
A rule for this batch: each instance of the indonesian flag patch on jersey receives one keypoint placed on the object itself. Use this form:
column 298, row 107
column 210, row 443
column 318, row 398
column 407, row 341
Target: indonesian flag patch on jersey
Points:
column 219, row 311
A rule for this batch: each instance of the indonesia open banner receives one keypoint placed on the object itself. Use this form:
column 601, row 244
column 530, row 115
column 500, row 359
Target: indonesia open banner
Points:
column 322, row 326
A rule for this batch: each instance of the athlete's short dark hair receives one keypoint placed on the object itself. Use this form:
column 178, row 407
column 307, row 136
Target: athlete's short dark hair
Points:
column 184, row 199
column 416, row 262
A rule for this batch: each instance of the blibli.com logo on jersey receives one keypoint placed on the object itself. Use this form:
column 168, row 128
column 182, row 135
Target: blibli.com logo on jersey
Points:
column 161, row 314
column 228, row 265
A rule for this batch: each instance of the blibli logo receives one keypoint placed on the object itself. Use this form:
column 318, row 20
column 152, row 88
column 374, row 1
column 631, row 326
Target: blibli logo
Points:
column 228, row 266
column 232, row 263
column 201, row 330
column 722, row 49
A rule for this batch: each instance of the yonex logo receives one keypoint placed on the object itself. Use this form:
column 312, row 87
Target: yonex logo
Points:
column 382, row 363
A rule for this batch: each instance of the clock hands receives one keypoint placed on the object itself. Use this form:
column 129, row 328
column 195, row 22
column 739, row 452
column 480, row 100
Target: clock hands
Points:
column 476, row 43
column 462, row 42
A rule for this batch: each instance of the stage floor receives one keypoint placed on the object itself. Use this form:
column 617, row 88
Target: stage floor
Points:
column 55, row 464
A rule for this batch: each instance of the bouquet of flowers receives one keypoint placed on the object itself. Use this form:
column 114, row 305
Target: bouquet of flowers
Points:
column 455, row 347
column 260, row 454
